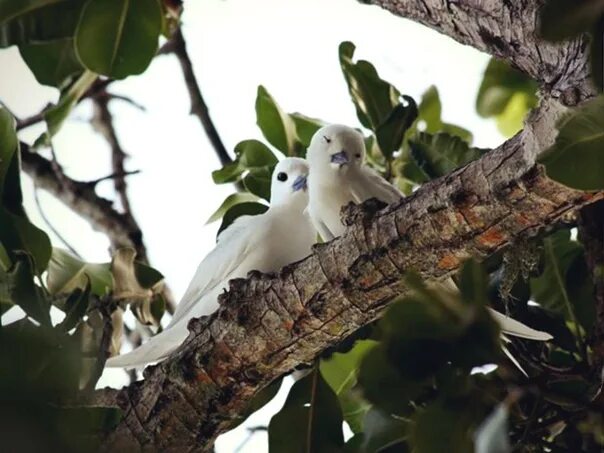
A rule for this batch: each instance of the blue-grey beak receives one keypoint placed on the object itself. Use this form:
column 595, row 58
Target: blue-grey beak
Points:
column 299, row 183
column 340, row 158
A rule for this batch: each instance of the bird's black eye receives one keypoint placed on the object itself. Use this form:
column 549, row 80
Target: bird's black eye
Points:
column 281, row 176
column 327, row 139
column 358, row 155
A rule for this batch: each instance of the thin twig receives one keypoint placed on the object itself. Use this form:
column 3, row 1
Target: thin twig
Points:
column 95, row 182
column 199, row 108
column 51, row 226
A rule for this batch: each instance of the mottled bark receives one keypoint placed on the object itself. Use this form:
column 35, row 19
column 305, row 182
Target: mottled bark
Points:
column 269, row 324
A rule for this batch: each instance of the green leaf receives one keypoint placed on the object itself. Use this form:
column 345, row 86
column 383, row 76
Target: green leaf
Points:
column 75, row 308
column 56, row 115
column 391, row 132
column 258, row 182
column 430, row 111
column 340, row 371
column 438, row 155
column 565, row 19
column 37, row 21
column 67, row 273
column 576, row 159
column 16, row 232
column 310, row 420
column 373, row 97
column 255, row 154
column 118, row 38
column 231, row 200
column 276, row 125
column 565, row 286
column 250, row 155
column 5, row 298
column 52, row 63
column 506, row 94
column 241, row 209
column 474, row 283
column 306, row 127
column 25, row 293
column 38, row 363
column 438, row 428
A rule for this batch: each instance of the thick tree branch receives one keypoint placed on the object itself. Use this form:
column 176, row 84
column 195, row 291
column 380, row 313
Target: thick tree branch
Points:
column 507, row 30
column 178, row 47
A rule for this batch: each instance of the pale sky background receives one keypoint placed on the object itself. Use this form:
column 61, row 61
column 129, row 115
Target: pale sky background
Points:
column 290, row 47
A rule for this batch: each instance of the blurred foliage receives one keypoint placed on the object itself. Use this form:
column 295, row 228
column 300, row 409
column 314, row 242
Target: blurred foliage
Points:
column 507, row 95
column 412, row 381
column 575, row 159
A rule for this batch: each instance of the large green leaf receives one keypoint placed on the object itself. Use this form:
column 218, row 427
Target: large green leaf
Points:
column 36, row 21
column 340, row 371
column 392, row 130
column 564, row 285
column 16, row 232
column 25, row 293
column 506, row 94
column 66, row 273
column 118, row 38
column 250, row 155
column 373, row 97
column 564, row 19
column 53, row 62
column 306, row 127
column 230, row 201
column 438, row 155
column 276, row 125
column 438, row 428
column 76, row 306
column 258, row 182
column 430, row 111
column 238, row 210
column 57, row 114
column 310, row 420
column 576, row 159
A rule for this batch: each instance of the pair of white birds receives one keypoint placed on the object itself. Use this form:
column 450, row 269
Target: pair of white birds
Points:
column 285, row 233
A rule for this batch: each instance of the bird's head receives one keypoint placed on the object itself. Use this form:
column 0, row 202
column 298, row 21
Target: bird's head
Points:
column 289, row 181
column 335, row 149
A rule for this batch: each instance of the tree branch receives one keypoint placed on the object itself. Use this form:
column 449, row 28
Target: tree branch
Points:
column 81, row 197
column 507, row 30
column 178, row 47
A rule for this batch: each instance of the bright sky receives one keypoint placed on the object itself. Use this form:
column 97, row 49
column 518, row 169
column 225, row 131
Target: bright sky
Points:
column 290, row 48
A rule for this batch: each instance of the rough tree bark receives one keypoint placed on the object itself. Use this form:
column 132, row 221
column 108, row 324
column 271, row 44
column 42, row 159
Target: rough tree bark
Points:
column 268, row 324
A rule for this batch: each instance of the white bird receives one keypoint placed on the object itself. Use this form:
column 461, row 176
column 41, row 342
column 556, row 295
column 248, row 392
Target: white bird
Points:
column 266, row 243
column 338, row 176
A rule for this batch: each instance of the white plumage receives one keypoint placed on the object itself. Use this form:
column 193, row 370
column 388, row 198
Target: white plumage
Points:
column 266, row 242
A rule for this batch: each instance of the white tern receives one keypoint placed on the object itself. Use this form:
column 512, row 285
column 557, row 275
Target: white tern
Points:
column 338, row 176
column 266, row 243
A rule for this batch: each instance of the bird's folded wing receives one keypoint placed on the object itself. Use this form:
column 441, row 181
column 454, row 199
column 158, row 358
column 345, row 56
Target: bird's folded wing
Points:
column 368, row 184
column 233, row 246
column 515, row 328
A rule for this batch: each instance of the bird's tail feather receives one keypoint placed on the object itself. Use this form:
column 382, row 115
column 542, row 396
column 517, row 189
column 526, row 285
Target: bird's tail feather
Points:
column 155, row 349
column 515, row 328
